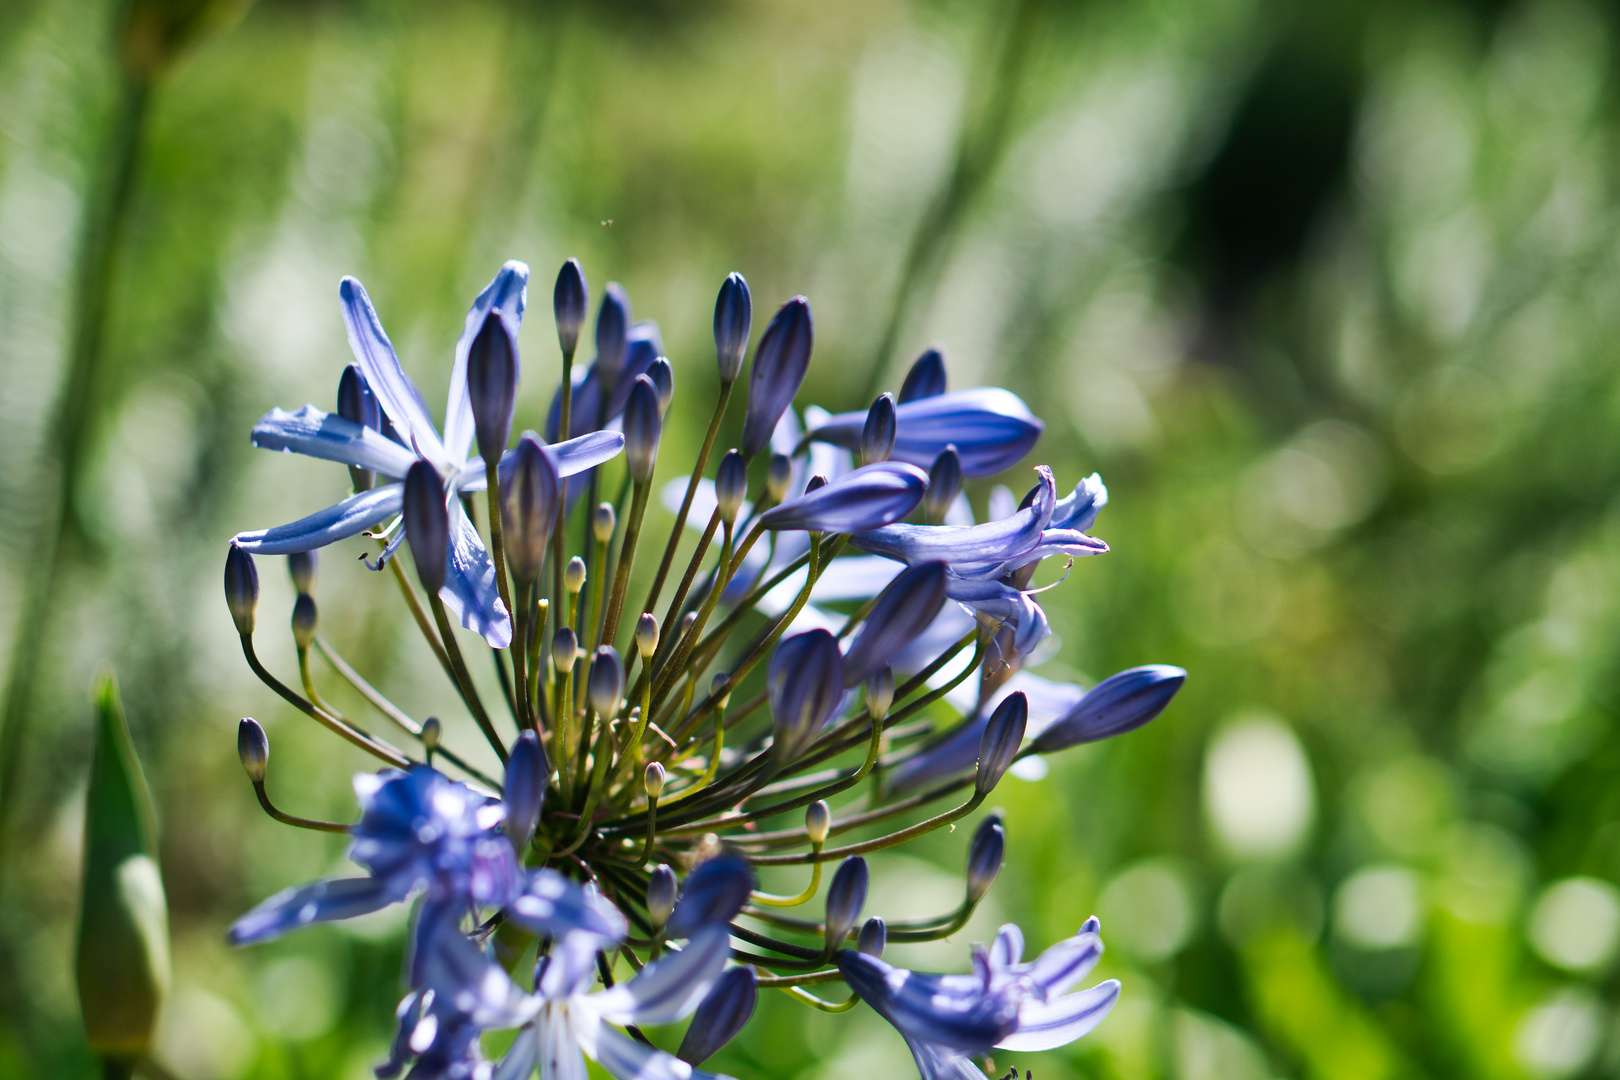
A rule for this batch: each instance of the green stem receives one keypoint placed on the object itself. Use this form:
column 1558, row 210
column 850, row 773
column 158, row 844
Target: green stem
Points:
column 497, row 553
column 463, row 679
column 375, row 747
column 686, row 502
column 289, row 819
column 627, row 559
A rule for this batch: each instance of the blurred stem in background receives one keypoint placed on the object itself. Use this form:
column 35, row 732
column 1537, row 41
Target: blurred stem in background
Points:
column 61, row 461
column 150, row 35
column 979, row 149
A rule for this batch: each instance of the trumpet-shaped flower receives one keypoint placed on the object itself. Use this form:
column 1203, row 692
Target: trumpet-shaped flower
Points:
column 469, row 589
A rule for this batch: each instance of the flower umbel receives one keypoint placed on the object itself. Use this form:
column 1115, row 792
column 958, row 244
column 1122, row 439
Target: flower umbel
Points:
column 836, row 669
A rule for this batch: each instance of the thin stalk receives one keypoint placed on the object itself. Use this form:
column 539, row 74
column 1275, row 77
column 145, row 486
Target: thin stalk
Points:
column 375, row 747
column 672, row 613
column 289, row 819
column 627, row 559
column 678, row 660
column 423, row 620
column 771, row 900
column 539, row 612
column 831, row 975
column 497, row 553
column 922, row 828
column 597, row 580
column 463, row 679
column 309, row 685
column 814, row 1002
column 686, row 502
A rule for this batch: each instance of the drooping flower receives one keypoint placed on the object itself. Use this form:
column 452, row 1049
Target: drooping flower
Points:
column 991, row 428
column 469, row 590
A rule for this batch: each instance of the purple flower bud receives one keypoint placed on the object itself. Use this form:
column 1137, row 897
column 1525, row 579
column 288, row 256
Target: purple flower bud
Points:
column 527, row 774
column 304, row 618
column 603, row 522
column 1002, row 737
column 874, row 937
column 712, row 895
column 661, row 887
column 815, row 483
column 731, row 485
column 253, row 747
column 780, row 362
column 1120, row 703
column 241, row 589
column 984, row 857
column 868, row 498
column 606, row 681
column 492, row 381
column 926, row 378
column 612, row 328
column 528, row 508
column 818, row 821
column 568, row 303
column 564, row 649
column 432, row 732
column 778, row 477
column 301, row 566
column 722, row 1015
column 643, row 427
column 845, row 898
column 906, row 607
column 733, row 321
column 805, row 683
column 663, row 380
column 652, row 780
column 356, row 402
column 427, row 525
column 877, row 437
column 574, row 574
column 944, row 485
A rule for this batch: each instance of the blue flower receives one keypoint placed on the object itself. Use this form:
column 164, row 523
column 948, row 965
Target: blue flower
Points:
column 1005, row 1004
column 470, row 590
column 418, row 831
column 867, row 498
column 991, row 429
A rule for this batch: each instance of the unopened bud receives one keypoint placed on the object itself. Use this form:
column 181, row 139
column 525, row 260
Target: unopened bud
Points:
column 926, row 378
column 606, row 681
column 301, row 566
column 529, row 493
column 492, row 380
column 780, row 364
column 663, row 380
column 984, row 857
column 815, row 483
column 564, row 649
column 720, row 688
column 253, row 747
column 653, row 780
column 432, row 732
column 944, row 485
column 1002, row 736
column 241, row 589
column 846, row 896
column 602, row 523
column 574, row 575
column 427, row 525
column 733, row 321
column 527, row 773
column 880, row 693
column 612, row 334
column 303, row 620
column 778, row 477
column 356, row 402
column 568, row 303
column 818, row 821
column 730, row 485
column 643, row 427
column 647, row 634
column 874, row 937
column 661, row 888
column 877, row 438
column 724, row 1013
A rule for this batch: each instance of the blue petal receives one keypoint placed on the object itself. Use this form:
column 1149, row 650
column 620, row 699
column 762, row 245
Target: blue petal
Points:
column 319, row 901
column 995, row 601
column 569, row 458
column 941, row 1062
column 1064, row 964
column 868, row 498
column 712, row 895
column 1079, row 510
column 669, row 989
column 629, row 1060
column 469, row 583
column 397, row 395
column 1049, row 1025
column 970, row 551
column 348, row 518
column 470, row 982
column 991, row 429
column 324, row 435
column 953, row 1010
column 552, row 906
column 521, row 1059
column 507, row 294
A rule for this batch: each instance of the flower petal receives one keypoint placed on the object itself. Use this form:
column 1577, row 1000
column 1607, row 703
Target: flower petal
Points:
column 550, row 905
column 1049, row 1025
column 397, row 395
column 935, row 1062
column 470, row 982
column 569, row 458
column 1058, row 968
column 867, row 498
column 469, row 583
column 668, row 990
column 521, row 1059
column 991, row 429
column 348, row 518
column 318, row 434
column 952, row 1010
column 993, row 600
column 629, row 1060
column 319, row 901
column 506, row 294
column 974, row 550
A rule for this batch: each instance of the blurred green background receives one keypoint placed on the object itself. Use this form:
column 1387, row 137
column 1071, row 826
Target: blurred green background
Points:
column 1326, row 291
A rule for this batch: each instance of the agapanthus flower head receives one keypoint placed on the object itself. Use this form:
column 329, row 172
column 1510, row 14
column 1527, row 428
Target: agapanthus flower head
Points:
column 845, row 640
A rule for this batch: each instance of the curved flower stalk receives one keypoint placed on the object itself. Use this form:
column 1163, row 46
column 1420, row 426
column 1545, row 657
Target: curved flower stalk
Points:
column 837, row 669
